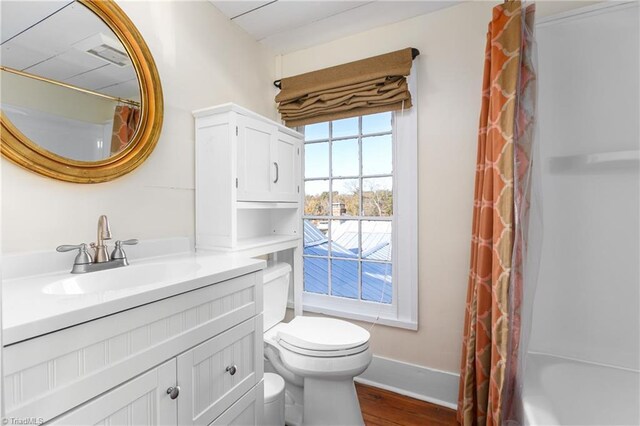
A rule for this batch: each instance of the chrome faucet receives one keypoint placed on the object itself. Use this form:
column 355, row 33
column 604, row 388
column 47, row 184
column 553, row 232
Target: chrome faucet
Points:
column 104, row 233
column 101, row 259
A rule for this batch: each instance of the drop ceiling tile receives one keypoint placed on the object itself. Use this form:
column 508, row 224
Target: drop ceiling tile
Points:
column 57, row 33
column 56, row 69
column 102, row 77
column 233, row 8
column 19, row 57
column 128, row 90
column 16, row 16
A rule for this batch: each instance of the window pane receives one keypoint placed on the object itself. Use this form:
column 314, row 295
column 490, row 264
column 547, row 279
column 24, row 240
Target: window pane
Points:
column 345, row 238
column 314, row 132
column 316, row 160
column 346, row 197
column 377, row 283
column 377, row 196
column 345, row 158
column 376, row 240
column 316, row 197
column 316, row 275
column 346, row 127
column 377, row 155
column 376, row 123
column 344, row 278
column 315, row 237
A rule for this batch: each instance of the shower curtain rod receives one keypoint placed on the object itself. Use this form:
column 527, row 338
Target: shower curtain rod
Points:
column 68, row 86
column 414, row 52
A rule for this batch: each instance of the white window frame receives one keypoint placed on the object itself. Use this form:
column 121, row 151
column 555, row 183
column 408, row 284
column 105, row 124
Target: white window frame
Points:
column 403, row 311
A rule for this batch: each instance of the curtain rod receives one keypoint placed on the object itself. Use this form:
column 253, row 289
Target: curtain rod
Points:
column 414, row 52
column 68, row 86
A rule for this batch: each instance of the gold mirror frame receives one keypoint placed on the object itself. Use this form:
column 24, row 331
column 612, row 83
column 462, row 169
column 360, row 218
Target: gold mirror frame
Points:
column 19, row 149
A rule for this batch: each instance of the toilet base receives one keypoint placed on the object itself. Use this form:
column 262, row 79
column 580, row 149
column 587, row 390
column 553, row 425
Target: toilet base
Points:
column 331, row 402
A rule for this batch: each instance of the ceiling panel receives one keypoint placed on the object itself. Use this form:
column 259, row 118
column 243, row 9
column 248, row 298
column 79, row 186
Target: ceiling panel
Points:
column 286, row 25
column 233, row 8
column 101, row 77
column 56, row 34
column 55, row 48
column 282, row 16
column 20, row 57
column 353, row 21
column 128, row 90
column 20, row 15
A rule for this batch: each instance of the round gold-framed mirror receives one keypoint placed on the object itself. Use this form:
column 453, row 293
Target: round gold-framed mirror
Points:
column 132, row 104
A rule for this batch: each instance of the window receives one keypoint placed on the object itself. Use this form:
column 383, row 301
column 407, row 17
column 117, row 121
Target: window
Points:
column 360, row 177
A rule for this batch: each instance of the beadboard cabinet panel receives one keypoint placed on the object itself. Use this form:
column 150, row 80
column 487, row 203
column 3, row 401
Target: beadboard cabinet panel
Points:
column 205, row 372
column 141, row 401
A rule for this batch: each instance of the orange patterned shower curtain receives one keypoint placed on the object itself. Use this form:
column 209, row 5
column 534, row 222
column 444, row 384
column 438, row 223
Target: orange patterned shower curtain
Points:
column 492, row 316
column 125, row 123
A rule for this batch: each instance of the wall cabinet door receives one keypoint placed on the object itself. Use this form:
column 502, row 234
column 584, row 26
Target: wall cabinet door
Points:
column 218, row 372
column 255, row 169
column 140, row 401
column 285, row 155
column 268, row 162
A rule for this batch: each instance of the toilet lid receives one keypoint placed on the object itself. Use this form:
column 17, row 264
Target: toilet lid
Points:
column 323, row 334
column 273, row 387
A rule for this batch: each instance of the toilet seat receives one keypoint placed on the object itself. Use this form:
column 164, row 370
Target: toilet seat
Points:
column 323, row 354
column 324, row 337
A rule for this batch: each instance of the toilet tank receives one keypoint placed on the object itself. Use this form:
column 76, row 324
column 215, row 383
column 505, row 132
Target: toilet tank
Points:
column 276, row 293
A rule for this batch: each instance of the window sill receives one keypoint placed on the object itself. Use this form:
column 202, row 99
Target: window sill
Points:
column 390, row 322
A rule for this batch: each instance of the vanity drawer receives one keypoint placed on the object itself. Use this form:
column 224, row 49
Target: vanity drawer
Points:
column 216, row 373
column 51, row 374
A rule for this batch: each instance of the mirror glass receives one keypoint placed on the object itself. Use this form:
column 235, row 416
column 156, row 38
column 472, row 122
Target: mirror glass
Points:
column 67, row 83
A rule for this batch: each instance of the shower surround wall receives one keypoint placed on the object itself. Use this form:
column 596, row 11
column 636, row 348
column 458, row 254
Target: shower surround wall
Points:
column 587, row 301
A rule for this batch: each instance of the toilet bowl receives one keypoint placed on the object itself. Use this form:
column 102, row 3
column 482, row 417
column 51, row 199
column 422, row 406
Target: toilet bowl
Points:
column 317, row 357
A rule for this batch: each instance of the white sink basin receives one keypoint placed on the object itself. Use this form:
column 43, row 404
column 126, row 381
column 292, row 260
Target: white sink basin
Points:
column 122, row 278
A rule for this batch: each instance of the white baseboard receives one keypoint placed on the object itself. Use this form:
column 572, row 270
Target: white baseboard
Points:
column 415, row 381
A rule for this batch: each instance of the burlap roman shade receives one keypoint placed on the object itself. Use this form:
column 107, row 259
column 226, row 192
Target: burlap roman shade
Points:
column 372, row 85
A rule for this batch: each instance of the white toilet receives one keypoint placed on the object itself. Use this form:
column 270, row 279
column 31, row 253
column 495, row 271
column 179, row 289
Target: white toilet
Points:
column 317, row 357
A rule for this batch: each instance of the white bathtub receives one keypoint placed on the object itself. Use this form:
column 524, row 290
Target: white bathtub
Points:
column 560, row 391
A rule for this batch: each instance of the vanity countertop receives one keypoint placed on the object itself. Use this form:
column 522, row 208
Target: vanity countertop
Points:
column 40, row 304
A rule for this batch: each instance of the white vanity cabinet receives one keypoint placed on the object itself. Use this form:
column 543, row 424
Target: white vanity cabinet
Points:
column 118, row 369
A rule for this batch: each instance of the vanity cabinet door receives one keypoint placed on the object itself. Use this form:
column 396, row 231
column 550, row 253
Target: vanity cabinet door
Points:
column 217, row 373
column 255, row 169
column 249, row 410
column 140, row 401
column 286, row 161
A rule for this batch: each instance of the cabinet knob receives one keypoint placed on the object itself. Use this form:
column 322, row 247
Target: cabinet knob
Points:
column 277, row 172
column 173, row 392
column 232, row 369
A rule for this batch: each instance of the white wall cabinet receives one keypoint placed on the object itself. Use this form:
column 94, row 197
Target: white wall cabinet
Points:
column 247, row 182
column 117, row 369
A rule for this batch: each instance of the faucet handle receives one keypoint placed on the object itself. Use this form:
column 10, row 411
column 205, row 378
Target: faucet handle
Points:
column 118, row 253
column 83, row 256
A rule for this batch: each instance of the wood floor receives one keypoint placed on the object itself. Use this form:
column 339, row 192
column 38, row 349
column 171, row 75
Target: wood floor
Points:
column 384, row 408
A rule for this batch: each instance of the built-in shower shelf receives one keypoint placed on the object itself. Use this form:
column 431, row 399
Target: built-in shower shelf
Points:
column 613, row 160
